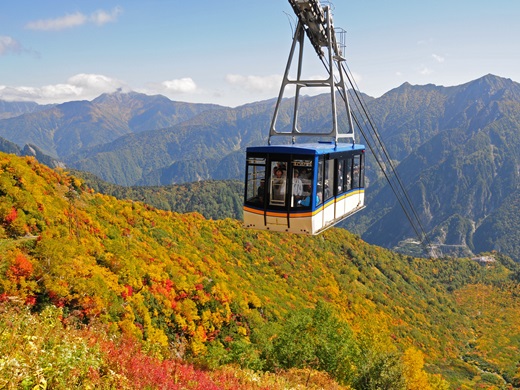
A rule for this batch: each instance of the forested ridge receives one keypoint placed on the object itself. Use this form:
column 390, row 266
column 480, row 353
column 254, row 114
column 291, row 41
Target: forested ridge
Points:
column 101, row 292
column 455, row 149
column 214, row 199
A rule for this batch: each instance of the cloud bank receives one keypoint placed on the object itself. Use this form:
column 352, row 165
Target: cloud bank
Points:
column 183, row 85
column 99, row 18
column 82, row 86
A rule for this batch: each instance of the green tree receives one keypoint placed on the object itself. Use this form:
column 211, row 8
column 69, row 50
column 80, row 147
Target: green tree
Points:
column 317, row 339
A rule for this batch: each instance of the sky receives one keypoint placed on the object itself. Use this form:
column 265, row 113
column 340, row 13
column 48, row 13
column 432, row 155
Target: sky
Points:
column 232, row 52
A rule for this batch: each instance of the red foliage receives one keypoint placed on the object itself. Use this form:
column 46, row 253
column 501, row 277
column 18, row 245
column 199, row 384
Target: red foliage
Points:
column 30, row 300
column 146, row 372
column 129, row 291
column 56, row 300
column 21, row 267
column 11, row 217
column 168, row 285
column 181, row 295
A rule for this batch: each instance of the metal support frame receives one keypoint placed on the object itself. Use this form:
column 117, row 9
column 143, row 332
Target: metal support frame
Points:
column 316, row 22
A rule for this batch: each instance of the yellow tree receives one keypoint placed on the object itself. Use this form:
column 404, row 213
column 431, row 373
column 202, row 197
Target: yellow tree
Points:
column 415, row 376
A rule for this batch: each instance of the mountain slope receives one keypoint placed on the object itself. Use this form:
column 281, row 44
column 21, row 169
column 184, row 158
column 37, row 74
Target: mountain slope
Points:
column 456, row 150
column 212, row 199
column 13, row 109
column 197, row 144
column 465, row 169
column 224, row 294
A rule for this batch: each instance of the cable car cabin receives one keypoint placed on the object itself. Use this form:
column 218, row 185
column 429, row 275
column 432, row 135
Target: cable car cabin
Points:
column 303, row 188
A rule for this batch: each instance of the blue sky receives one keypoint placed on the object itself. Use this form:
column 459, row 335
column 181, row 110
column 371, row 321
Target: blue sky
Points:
column 234, row 52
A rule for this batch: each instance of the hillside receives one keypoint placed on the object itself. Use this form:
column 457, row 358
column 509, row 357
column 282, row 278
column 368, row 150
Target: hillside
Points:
column 14, row 109
column 197, row 149
column 212, row 199
column 214, row 293
column 456, row 149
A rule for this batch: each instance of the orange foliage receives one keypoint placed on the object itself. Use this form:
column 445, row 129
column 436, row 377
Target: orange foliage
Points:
column 21, row 267
column 11, row 217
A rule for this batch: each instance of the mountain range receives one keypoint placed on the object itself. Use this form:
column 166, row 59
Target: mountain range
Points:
column 458, row 152
column 455, row 148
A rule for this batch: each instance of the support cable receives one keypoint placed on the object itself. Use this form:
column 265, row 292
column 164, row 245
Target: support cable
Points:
column 383, row 148
column 398, row 189
column 378, row 149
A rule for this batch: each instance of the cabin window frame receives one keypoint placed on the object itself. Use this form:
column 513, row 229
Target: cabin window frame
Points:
column 253, row 180
column 304, row 164
column 278, row 186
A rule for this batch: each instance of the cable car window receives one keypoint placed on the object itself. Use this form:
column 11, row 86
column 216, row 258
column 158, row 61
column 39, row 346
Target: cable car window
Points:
column 356, row 172
column 348, row 175
column 339, row 178
column 319, row 183
column 297, row 185
column 328, row 185
column 255, row 183
column 278, row 184
column 362, row 171
column 301, row 183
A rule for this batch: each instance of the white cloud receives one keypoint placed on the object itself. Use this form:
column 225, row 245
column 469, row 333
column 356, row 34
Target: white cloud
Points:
column 184, row 85
column 64, row 22
column 9, row 45
column 438, row 58
column 99, row 17
column 265, row 84
column 425, row 71
column 79, row 87
column 95, row 82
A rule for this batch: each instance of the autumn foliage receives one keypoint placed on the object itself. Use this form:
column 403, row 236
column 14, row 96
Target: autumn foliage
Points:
column 177, row 300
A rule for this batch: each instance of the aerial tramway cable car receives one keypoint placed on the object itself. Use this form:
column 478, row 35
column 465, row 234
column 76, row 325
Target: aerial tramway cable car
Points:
column 307, row 187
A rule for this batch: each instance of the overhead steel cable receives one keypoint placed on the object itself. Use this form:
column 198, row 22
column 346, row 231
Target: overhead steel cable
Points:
column 392, row 185
column 383, row 148
column 383, row 160
column 423, row 236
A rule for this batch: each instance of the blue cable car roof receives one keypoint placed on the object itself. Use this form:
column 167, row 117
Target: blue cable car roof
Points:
column 315, row 148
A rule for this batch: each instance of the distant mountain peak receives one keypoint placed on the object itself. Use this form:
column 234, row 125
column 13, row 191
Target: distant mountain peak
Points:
column 118, row 95
column 491, row 87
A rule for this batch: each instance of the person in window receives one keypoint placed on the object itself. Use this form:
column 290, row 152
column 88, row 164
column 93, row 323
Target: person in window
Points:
column 355, row 181
column 328, row 194
column 280, row 167
column 297, row 186
column 340, row 177
column 306, row 202
column 278, row 185
column 261, row 191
